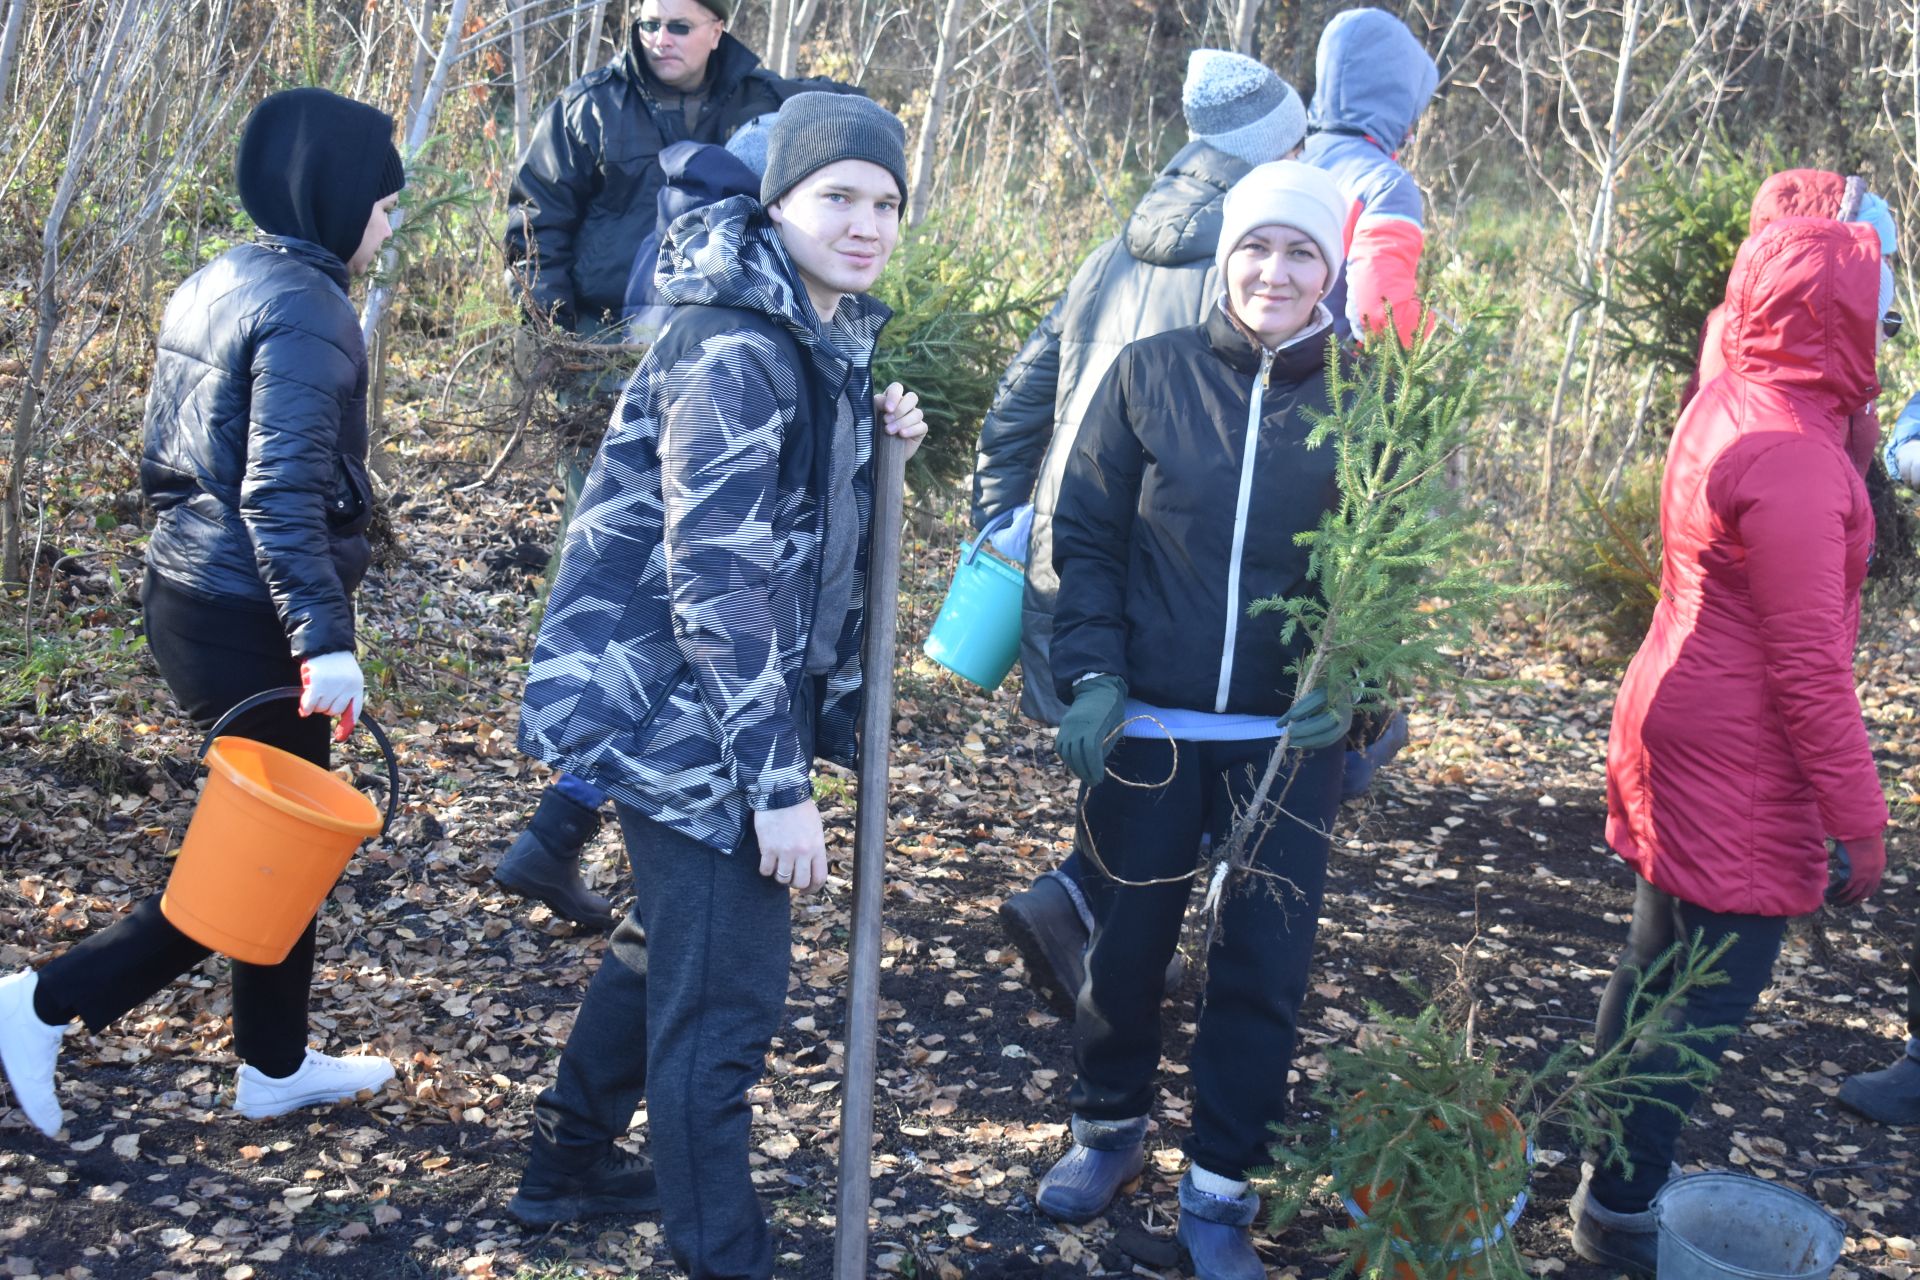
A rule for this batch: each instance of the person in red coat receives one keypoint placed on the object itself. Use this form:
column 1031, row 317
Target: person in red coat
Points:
column 1807, row 193
column 1737, row 747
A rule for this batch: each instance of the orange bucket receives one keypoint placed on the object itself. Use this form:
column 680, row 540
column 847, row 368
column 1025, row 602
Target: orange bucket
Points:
column 268, row 840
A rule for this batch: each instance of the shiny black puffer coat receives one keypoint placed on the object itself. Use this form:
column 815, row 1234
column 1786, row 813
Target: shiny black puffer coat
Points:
column 255, row 458
column 586, row 191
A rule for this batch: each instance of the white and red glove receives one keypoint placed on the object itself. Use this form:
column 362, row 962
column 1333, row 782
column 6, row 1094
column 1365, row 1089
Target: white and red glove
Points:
column 332, row 685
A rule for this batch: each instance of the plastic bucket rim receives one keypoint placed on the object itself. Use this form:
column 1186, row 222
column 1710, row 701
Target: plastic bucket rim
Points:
column 365, row 829
column 1466, row 1249
column 1695, row 1181
column 971, row 554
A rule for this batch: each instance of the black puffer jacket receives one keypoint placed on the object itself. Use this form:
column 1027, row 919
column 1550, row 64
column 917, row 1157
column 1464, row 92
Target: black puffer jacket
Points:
column 256, row 440
column 1164, row 534
column 586, row 191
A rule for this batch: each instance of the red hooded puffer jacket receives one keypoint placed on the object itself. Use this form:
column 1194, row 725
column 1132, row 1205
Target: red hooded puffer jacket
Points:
column 1792, row 193
column 1737, row 741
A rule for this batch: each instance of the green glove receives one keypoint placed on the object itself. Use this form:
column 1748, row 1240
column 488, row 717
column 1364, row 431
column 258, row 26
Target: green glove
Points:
column 1312, row 724
column 1086, row 731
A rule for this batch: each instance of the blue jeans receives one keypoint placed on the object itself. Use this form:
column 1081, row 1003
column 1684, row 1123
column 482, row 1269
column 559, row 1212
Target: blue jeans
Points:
column 1661, row 920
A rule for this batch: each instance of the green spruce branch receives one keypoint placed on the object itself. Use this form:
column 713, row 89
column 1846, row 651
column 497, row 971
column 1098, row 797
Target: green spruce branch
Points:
column 1396, row 598
column 1430, row 1129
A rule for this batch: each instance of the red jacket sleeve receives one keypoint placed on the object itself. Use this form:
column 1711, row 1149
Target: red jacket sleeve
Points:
column 1789, row 511
column 1383, row 267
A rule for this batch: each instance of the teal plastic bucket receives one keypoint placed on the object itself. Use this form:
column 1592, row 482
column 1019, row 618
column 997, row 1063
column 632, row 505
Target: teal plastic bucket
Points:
column 977, row 635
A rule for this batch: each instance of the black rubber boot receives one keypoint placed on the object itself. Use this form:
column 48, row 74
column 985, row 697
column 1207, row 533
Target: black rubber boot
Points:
column 544, row 863
column 1627, row 1242
column 619, row 1183
column 1044, row 924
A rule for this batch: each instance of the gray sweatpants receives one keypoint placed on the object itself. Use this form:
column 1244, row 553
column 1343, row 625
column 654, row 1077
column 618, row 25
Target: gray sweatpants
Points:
column 683, row 1014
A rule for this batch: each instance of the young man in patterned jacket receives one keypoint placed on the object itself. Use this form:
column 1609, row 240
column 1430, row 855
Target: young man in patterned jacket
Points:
column 701, row 647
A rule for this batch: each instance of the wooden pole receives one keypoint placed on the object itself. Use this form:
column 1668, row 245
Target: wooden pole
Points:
column 869, row 859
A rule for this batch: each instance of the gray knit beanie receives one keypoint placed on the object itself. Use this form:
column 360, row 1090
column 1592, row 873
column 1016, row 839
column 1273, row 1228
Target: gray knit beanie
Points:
column 814, row 130
column 749, row 142
column 1240, row 106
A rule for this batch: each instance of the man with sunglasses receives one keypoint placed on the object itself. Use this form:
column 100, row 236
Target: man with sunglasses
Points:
column 584, row 196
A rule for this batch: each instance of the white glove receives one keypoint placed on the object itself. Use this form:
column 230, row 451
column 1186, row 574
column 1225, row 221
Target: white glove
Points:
column 332, row 685
column 1906, row 463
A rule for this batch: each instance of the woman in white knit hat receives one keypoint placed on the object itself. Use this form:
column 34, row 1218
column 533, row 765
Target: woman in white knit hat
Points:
column 1180, row 507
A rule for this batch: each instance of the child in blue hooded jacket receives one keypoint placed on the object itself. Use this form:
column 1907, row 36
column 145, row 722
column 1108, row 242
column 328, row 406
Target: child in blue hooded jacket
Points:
column 1372, row 81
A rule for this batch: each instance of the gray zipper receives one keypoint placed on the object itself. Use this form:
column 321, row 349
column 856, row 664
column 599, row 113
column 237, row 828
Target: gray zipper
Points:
column 1240, row 530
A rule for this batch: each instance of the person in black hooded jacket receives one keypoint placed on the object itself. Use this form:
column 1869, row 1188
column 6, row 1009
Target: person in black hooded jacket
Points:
column 584, row 194
column 1180, row 507
column 255, row 464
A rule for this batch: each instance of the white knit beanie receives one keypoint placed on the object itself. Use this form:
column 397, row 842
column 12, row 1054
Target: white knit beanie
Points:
column 1286, row 193
column 1240, row 106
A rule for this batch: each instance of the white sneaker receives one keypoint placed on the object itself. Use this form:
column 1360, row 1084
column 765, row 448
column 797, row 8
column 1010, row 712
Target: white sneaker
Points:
column 320, row 1080
column 28, row 1050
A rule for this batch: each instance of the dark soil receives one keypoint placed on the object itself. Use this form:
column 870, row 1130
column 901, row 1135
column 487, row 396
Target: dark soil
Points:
column 1476, row 867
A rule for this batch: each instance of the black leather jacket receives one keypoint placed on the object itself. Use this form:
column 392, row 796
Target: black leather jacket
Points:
column 256, row 440
column 586, row 191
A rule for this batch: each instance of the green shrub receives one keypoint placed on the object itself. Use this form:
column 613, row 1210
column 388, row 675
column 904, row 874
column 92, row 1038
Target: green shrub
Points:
column 1609, row 557
column 1680, row 226
column 958, row 318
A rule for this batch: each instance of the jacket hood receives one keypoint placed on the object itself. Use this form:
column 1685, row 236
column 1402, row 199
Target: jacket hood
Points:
column 1371, row 77
column 1178, row 221
column 1802, row 304
column 311, row 164
column 731, row 62
column 1801, row 193
column 729, row 255
column 699, row 173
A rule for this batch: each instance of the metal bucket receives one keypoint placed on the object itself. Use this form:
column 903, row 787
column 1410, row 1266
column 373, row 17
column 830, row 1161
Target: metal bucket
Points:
column 1728, row 1226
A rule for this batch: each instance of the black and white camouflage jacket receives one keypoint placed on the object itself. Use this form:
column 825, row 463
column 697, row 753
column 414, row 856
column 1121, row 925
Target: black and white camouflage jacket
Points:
column 671, row 657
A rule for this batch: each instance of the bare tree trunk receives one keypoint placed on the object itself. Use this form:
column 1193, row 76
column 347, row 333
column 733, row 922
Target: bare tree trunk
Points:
column 1246, row 16
column 573, row 47
column 595, row 21
column 10, row 42
column 13, row 503
column 382, row 294
column 1598, row 231
column 417, row 79
column 779, row 28
column 804, row 12
column 929, row 143
column 522, row 92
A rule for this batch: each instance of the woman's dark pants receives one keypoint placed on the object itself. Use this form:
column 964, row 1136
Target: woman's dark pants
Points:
column 1659, row 921
column 212, row 657
column 1144, row 822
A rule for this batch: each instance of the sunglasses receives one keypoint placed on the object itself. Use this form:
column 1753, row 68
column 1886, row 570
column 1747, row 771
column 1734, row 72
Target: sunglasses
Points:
column 1891, row 323
column 678, row 28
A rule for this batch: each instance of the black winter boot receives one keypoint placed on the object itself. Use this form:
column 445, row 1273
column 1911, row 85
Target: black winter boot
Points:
column 544, row 863
column 1891, row 1095
column 1045, row 924
column 619, row 1183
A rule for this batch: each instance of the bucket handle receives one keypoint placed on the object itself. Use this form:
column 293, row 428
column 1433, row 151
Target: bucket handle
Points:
column 987, row 531
column 294, row 691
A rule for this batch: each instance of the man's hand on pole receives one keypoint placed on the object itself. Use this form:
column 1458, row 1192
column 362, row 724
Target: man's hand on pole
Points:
column 899, row 412
column 793, row 846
